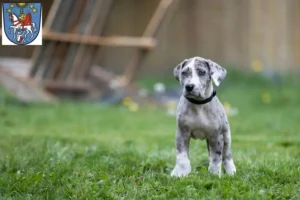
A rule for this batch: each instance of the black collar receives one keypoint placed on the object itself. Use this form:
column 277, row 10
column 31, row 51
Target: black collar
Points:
column 204, row 101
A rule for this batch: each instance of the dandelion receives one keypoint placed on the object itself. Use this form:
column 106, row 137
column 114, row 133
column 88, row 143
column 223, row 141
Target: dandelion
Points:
column 229, row 109
column 266, row 98
column 171, row 104
column 127, row 101
column 226, row 105
column 133, row 107
column 257, row 66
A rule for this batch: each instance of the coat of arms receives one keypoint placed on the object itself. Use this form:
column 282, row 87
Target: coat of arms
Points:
column 22, row 23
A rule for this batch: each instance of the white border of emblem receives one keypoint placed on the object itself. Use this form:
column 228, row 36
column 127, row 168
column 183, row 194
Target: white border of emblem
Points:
column 38, row 40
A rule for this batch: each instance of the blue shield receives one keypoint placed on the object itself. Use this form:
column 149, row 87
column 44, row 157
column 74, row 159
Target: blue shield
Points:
column 22, row 22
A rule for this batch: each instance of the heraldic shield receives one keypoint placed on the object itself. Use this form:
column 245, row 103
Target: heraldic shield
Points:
column 22, row 23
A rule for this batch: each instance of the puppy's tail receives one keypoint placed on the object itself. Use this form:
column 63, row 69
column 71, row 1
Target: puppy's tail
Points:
column 207, row 144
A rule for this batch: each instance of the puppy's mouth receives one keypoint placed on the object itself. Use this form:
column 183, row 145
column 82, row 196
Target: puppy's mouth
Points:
column 193, row 95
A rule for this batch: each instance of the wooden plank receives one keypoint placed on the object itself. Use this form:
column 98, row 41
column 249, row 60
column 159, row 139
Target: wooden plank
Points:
column 96, row 19
column 101, row 74
column 63, row 18
column 91, row 52
column 68, row 11
column 157, row 18
column 63, row 85
column 80, row 20
column 134, row 64
column 77, row 16
column 295, row 34
column 19, row 67
column 144, row 43
column 67, row 61
column 87, row 61
column 38, row 50
column 51, row 15
column 57, row 65
column 151, row 32
column 36, row 56
column 43, row 62
column 24, row 89
column 97, row 24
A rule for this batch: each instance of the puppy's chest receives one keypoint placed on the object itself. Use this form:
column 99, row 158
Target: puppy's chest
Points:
column 202, row 124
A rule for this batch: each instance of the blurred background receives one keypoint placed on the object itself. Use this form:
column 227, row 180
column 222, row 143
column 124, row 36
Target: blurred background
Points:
column 92, row 49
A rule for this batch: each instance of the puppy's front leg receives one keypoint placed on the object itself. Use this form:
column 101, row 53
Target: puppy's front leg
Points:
column 183, row 166
column 215, row 152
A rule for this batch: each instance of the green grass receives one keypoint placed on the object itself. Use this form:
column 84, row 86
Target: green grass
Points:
column 87, row 151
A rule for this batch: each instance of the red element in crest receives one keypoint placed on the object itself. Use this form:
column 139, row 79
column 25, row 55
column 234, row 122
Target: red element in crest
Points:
column 20, row 40
column 27, row 20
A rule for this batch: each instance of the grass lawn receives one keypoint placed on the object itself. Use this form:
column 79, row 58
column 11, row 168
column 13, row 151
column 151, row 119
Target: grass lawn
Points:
column 88, row 151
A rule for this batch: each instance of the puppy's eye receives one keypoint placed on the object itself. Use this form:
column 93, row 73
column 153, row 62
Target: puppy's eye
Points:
column 201, row 72
column 184, row 73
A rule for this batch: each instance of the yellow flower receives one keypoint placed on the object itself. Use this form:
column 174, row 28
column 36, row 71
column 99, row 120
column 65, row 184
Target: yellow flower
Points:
column 257, row 66
column 31, row 6
column 171, row 105
column 226, row 105
column 12, row 5
column 127, row 101
column 230, row 111
column 266, row 98
column 34, row 10
column 8, row 10
column 133, row 107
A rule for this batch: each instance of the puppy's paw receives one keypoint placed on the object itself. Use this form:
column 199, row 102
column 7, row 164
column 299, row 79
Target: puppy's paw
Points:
column 229, row 167
column 181, row 170
column 215, row 169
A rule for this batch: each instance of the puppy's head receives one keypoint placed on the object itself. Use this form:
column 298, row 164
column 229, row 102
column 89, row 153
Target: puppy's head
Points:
column 196, row 76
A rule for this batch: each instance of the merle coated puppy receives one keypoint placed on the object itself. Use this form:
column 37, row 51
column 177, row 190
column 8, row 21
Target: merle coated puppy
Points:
column 200, row 115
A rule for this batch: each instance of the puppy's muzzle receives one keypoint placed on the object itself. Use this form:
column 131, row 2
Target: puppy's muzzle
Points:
column 189, row 87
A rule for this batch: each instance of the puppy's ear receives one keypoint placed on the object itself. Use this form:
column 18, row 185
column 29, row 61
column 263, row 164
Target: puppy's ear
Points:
column 217, row 73
column 178, row 68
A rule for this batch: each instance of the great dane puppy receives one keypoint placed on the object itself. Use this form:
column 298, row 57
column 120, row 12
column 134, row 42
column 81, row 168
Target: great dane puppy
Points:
column 200, row 115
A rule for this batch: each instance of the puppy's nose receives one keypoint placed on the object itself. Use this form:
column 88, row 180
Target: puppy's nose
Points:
column 189, row 87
